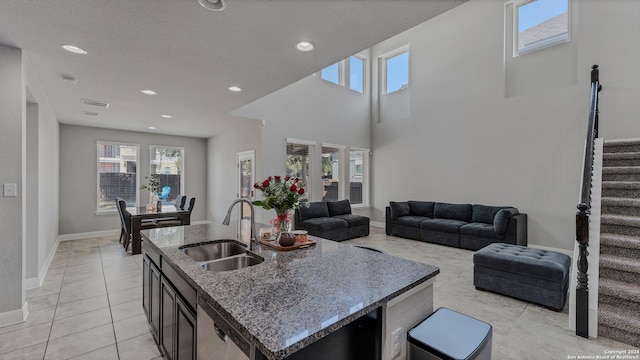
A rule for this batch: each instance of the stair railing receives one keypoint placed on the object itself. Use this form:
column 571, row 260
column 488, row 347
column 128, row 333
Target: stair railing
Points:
column 584, row 209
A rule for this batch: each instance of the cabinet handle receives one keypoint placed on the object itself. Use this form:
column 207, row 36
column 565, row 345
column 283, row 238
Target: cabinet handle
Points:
column 220, row 333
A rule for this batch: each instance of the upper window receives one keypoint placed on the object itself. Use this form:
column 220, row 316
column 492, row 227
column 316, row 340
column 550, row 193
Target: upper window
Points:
column 541, row 23
column 117, row 174
column 332, row 74
column 166, row 164
column 396, row 72
column 356, row 74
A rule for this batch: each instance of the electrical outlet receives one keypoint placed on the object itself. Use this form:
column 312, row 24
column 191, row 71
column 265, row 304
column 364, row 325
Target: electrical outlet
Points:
column 395, row 342
column 10, row 190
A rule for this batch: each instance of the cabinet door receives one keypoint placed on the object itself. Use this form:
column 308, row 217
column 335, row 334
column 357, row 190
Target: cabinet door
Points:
column 185, row 332
column 146, row 290
column 167, row 318
column 154, row 300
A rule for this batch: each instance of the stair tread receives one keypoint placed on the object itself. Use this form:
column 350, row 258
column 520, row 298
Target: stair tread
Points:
column 624, row 220
column 613, row 143
column 620, row 289
column 620, row 169
column 621, row 184
column 619, row 240
column 621, row 155
column 620, row 201
column 617, row 318
column 619, row 263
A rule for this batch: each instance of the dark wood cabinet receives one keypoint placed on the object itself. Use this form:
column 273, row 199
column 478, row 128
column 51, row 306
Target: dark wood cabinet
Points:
column 151, row 295
column 185, row 345
column 167, row 318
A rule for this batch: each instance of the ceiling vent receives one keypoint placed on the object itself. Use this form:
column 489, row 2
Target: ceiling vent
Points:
column 90, row 113
column 97, row 103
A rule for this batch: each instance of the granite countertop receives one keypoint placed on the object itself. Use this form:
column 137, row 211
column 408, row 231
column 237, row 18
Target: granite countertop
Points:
column 294, row 297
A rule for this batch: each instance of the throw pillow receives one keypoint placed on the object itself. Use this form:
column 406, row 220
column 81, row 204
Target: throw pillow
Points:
column 501, row 220
column 314, row 210
column 342, row 207
column 398, row 209
column 421, row 208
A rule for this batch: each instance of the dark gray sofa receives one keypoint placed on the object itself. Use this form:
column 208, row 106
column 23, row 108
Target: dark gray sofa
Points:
column 465, row 226
column 331, row 220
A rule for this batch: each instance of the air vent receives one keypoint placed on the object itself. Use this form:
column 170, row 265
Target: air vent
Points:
column 91, row 113
column 97, row 103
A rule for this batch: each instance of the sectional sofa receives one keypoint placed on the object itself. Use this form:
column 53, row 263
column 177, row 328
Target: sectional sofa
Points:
column 331, row 220
column 465, row 226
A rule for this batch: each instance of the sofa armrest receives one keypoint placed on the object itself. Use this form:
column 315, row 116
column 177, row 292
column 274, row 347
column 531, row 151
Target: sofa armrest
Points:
column 297, row 222
column 387, row 220
column 520, row 221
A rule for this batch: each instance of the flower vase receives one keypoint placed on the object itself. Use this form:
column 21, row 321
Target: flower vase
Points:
column 282, row 223
column 153, row 201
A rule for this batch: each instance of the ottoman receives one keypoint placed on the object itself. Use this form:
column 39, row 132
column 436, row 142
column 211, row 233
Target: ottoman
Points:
column 534, row 275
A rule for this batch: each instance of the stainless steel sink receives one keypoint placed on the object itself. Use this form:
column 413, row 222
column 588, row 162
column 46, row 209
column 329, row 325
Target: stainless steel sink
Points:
column 214, row 251
column 232, row 263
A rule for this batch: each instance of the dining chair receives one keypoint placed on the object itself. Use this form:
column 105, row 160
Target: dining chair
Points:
column 126, row 223
column 188, row 205
column 123, row 231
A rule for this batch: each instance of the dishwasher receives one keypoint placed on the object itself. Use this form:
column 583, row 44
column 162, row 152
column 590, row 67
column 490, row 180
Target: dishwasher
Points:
column 217, row 340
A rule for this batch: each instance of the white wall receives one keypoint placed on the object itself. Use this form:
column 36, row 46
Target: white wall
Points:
column 12, row 115
column 78, row 174
column 476, row 136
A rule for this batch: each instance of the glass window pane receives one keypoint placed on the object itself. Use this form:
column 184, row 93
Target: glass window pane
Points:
column 331, row 73
column 542, row 21
column 398, row 72
column 117, row 174
column 166, row 165
column 356, row 74
column 330, row 174
column 357, row 178
column 299, row 164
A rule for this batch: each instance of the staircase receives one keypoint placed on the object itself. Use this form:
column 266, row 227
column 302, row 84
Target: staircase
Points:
column 619, row 289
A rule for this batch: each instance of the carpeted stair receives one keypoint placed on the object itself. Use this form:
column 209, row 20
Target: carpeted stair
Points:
column 619, row 297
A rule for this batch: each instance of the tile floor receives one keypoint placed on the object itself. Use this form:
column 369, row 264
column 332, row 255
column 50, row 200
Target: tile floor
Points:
column 89, row 307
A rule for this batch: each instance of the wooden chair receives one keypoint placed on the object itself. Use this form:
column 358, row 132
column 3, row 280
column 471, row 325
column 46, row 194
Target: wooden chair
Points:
column 187, row 205
column 125, row 218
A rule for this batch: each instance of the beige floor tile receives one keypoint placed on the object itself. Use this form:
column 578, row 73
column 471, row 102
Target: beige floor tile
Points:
column 79, row 323
column 126, row 310
column 80, row 343
column 35, row 317
column 81, row 306
column 72, row 292
column 130, row 327
column 106, row 353
column 138, row 348
column 30, row 352
column 43, row 302
column 127, row 295
column 24, row 338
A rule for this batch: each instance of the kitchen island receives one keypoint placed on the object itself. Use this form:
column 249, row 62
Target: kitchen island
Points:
column 291, row 301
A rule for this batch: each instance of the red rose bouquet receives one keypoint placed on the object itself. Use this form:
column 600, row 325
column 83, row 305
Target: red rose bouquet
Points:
column 282, row 195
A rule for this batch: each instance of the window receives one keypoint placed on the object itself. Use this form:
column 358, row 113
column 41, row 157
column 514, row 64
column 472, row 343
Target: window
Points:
column 396, row 70
column 166, row 163
column 356, row 74
column 117, row 175
column 332, row 74
column 299, row 156
column 331, row 188
column 358, row 178
column 541, row 23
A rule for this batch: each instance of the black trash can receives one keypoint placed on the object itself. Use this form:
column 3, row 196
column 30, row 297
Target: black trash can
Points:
column 449, row 335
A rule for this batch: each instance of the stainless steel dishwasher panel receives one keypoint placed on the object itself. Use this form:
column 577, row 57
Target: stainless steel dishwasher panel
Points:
column 216, row 339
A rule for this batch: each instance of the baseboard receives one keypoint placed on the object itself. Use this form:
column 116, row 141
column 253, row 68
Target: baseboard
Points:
column 378, row 224
column 200, row 222
column 36, row 282
column 563, row 251
column 86, row 235
column 14, row 316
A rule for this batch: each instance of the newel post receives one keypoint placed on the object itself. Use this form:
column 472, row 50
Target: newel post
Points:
column 582, row 289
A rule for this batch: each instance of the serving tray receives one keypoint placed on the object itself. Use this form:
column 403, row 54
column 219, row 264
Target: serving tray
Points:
column 297, row 245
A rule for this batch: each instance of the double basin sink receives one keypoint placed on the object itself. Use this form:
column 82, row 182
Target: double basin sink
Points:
column 222, row 255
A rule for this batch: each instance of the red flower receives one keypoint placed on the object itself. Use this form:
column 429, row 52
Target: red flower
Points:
column 256, row 185
column 296, row 180
column 265, row 183
column 287, row 178
column 277, row 178
column 301, row 191
column 293, row 188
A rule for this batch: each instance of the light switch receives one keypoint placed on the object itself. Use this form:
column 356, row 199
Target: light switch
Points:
column 10, row 190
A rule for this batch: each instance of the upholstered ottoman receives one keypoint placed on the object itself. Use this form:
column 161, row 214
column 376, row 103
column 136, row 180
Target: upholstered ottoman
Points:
column 535, row 275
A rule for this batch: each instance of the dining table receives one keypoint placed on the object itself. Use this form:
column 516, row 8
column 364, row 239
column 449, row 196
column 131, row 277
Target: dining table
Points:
column 140, row 213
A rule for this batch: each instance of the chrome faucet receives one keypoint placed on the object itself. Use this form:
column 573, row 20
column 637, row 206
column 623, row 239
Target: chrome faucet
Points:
column 253, row 242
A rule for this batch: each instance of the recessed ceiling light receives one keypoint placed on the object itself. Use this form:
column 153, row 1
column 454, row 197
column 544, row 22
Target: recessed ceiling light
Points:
column 304, row 46
column 152, row 127
column 235, row 88
column 90, row 113
column 166, row 116
column 74, row 49
column 69, row 79
column 148, row 92
column 214, row 5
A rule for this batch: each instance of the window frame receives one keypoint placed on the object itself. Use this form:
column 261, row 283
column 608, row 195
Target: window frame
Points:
column 182, row 172
column 365, row 176
column 341, row 73
column 552, row 41
column 383, row 59
column 364, row 83
column 341, row 149
column 100, row 211
column 311, row 150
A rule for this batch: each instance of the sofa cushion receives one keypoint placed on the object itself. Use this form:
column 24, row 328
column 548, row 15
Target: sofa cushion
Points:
column 460, row 212
column 342, row 207
column 502, row 218
column 443, row 225
column 353, row 220
column 399, row 209
column 314, row 210
column 485, row 214
column 323, row 224
column 413, row 221
column 421, row 208
column 481, row 230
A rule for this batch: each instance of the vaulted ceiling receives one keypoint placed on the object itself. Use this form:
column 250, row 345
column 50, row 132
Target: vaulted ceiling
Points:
column 189, row 55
